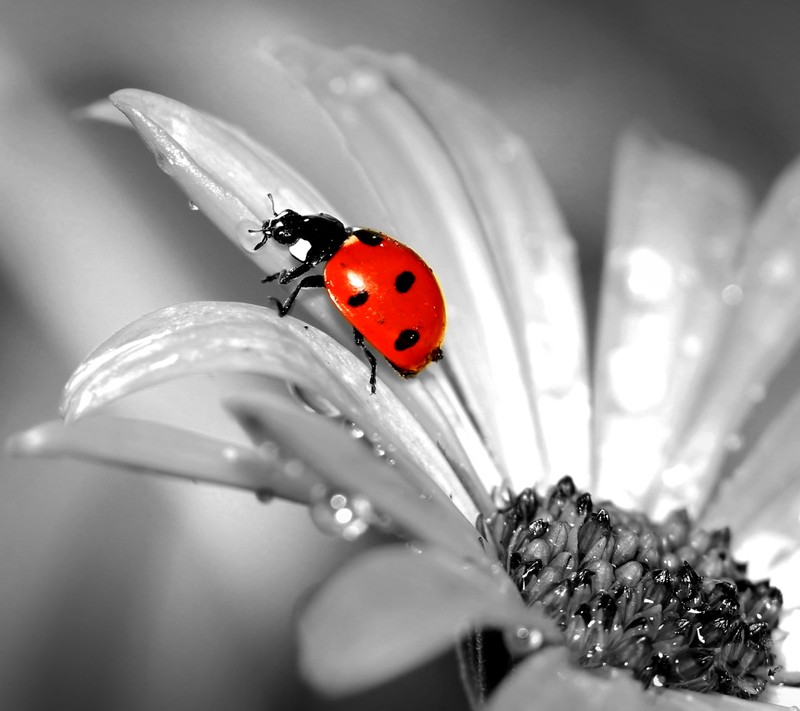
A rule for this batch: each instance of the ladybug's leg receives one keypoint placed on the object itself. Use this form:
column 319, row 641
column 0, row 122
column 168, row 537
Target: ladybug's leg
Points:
column 373, row 364
column 315, row 280
column 286, row 275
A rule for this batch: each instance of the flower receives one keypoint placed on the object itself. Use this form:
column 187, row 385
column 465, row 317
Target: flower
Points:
column 697, row 315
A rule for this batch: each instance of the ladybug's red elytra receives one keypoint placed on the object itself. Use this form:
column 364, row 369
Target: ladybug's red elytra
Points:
column 384, row 289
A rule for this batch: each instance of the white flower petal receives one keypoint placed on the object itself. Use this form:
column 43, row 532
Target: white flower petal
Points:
column 393, row 609
column 228, row 176
column 412, row 501
column 532, row 256
column 139, row 445
column 208, row 337
column 549, row 680
column 186, row 141
column 787, row 647
column 783, row 696
column 762, row 333
column 677, row 224
column 761, row 499
column 425, row 195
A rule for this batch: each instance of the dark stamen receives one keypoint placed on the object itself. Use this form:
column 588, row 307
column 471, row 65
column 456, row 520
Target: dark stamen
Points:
column 665, row 601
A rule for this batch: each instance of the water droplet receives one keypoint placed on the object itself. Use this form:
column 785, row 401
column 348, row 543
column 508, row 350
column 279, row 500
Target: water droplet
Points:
column 779, row 268
column 269, row 451
column 364, row 81
column 732, row 295
column 294, row 468
column 379, row 449
column 523, row 640
column 502, row 496
column 193, row 207
column 508, row 150
column 733, row 442
column 340, row 515
column 264, row 496
column 314, row 402
column 355, row 431
column 634, row 381
column 649, row 276
column 164, row 162
column 337, row 85
column 692, row 346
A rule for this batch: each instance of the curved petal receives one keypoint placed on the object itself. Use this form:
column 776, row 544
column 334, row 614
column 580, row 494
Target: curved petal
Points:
column 677, row 224
column 408, row 162
column 139, row 445
column 413, row 503
column 762, row 333
column 761, row 499
column 533, row 256
column 228, row 176
column 394, row 608
column 208, row 337
column 548, row 680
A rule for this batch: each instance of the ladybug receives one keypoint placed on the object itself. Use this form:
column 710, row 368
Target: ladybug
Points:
column 382, row 287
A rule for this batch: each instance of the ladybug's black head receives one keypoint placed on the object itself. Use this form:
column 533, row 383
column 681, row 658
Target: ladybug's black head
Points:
column 323, row 233
column 285, row 228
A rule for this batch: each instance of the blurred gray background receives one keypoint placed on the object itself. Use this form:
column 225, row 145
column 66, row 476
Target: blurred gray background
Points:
column 122, row 592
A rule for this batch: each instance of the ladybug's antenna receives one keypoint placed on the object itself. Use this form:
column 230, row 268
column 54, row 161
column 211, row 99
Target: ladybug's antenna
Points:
column 272, row 203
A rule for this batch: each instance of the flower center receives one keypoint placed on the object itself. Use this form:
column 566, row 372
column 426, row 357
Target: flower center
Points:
column 666, row 601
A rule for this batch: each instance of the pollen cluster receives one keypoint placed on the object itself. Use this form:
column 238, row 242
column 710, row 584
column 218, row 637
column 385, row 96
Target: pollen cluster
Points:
column 666, row 601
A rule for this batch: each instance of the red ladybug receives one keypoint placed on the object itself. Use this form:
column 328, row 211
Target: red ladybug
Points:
column 384, row 289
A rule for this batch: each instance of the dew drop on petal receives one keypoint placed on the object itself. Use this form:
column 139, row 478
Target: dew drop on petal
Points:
column 341, row 515
column 523, row 640
column 355, row 431
column 649, row 276
column 164, row 163
column 779, row 269
column 193, row 207
column 732, row 295
column 364, row 81
column 692, row 346
column 337, row 85
column 634, row 384
column 264, row 496
column 314, row 402
column 269, row 451
column 294, row 468
column 733, row 442
column 502, row 496
column 508, row 150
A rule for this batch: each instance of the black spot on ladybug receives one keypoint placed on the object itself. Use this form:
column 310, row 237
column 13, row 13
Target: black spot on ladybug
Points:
column 368, row 237
column 406, row 339
column 358, row 299
column 404, row 281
